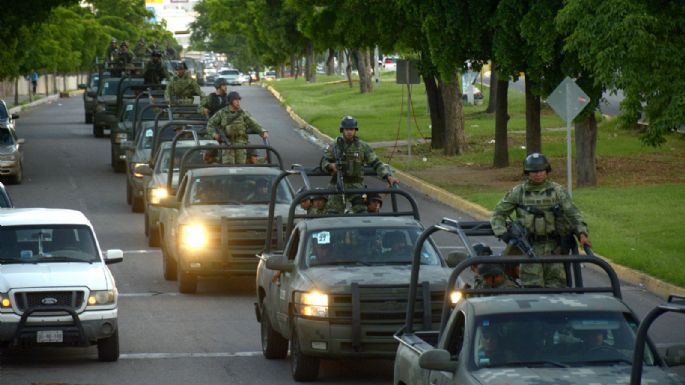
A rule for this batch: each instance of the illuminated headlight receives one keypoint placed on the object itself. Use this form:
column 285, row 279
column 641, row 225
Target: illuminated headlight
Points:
column 120, row 137
column 100, row 107
column 8, row 157
column 134, row 167
column 312, row 304
column 102, row 297
column 455, row 297
column 156, row 195
column 193, row 236
column 5, row 302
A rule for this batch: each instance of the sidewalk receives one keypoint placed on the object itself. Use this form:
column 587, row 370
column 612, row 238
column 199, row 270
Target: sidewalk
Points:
column 649, row 283
column 37, row 100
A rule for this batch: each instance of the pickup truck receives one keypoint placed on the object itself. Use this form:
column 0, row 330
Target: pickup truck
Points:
column 217, row 221
column 572, row 335
column 55, row 286
column 108, row 102
column 338, row 288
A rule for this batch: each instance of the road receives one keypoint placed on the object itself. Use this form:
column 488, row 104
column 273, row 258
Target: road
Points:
column 167, row 338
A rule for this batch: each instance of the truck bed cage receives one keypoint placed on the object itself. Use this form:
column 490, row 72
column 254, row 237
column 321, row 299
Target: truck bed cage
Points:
column 187, row 125
column 138, row 117
column 466, row 229
column 309, row 190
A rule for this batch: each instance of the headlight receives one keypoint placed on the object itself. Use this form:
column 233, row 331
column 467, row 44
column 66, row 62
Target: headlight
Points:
column 312, row 304
column 5, row 302
column 8, row 157
column 156, row 195
column 100, row 107
column 102, row 297
column 193, row 236
column 120, row 137
column 455, row 297
column 134, row 167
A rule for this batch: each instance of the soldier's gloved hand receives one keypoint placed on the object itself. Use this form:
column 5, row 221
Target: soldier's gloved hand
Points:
column 392, row 181
column 584, row 240
column 265, row 134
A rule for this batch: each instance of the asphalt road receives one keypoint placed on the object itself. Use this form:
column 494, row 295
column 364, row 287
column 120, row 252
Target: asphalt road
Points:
column 167, row 338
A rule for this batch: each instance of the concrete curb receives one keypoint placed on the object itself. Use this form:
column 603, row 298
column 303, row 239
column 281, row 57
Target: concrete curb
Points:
column 655, row 286
column 49, row 98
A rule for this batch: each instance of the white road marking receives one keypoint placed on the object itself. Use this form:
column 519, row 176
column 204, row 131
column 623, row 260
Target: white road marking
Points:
column 158, row 356
column 148, row 294
column 143, row 251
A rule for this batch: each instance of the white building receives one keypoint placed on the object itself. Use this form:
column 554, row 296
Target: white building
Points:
column 178, row 15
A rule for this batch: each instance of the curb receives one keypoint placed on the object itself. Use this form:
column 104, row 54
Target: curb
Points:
column 38, row 102
column 653, row 285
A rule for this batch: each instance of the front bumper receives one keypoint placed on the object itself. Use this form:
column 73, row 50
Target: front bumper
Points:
column 209, row 262
column 376, row 341
column 106, row 120
column 9, row 167
column 94, row 325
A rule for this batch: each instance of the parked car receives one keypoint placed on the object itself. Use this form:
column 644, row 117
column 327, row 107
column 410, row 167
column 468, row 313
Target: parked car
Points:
column 11, row 154
column 5, row 201
column 270, row 75
column 6, row 119
column 390, row 63
column 232, row 76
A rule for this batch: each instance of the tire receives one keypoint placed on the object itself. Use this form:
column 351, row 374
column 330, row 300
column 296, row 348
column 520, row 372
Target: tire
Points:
column 98, row 131
column 147, row 225
column 187, row 282
column 16, row 179
column 137, row 205
column 274, row 346
column 302, row 367
column 129, row 193
column 89, row 118
column 119, row 167
column 169, row 265
column 153, row 237
column 108, row 348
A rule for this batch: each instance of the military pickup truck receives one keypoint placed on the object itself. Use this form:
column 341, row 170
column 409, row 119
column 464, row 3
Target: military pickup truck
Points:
column 338, row 288
column 107, row 102
column 572, row 335
column 217, row 221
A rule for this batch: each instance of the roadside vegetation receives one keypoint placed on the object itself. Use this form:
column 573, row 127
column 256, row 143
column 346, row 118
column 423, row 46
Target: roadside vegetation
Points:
column 634, row 212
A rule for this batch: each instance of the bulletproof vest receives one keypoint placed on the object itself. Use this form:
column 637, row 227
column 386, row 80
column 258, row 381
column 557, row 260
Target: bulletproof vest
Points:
column 153, row 73
column 538, row 211
column 183, row 88
column 216, row 102
column 353, row 159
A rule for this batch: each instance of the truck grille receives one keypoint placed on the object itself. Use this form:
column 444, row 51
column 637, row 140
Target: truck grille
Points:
column 29, row 299
column 239, row 238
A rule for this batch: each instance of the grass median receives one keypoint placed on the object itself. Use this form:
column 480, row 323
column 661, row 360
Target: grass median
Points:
column 635, row 214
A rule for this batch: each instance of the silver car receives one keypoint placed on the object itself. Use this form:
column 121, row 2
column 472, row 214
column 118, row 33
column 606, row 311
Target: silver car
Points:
column 11, row 147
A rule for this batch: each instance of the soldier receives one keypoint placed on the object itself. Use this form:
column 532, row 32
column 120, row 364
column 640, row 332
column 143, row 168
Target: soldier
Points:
column 216, row 100
column 154, row 70
column 353, row 154
column 140, row 50
column 235, row 124
column 550, row 217
column 318, row 205
column 252, row 156
column 182, row 87
column 112, row 51
column 374, row 202
column 171, row 52
column 306, row 203
column 124, row 58
column 493, row 276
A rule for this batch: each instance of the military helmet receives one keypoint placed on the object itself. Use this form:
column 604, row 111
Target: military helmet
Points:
column 123, row 44
column 252, row 152
column 348, row 122
column 319, row 196
column 114, row 40
column 220, row 82
column 481, row 249
column 156, row 53
column 536, row 162
column 489, row 269
column 374, row 197
column 233, row 96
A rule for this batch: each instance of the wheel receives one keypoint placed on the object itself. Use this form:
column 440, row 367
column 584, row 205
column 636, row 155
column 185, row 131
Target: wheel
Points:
column 187, row 282
column 137, row 205
column 302, row 367
column 169, row 265
column 153, row 237
column 108, row 348
column 119, row 166
column 147, row 225
column 98, row 131
column 273, row 343
column 89, row 118
column 129, row 193
column 16, row 179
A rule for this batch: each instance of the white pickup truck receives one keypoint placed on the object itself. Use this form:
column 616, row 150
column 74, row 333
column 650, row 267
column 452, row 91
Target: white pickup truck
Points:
column 55, row 286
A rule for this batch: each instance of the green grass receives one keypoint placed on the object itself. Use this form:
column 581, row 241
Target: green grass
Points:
column 634, row 222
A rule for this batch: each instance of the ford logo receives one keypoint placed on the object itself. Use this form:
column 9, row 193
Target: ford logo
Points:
column 48, row 301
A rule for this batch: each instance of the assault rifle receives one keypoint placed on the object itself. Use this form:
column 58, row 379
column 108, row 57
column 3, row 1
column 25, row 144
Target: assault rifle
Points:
column 517, row 235
column 339, row 166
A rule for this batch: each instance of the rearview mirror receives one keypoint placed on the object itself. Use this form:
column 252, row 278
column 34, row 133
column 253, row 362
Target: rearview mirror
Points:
column 170, row 202
column 15, row 116
column 114, row 256
column 437, row 359
column 675, row 355
column 456, row 257
column 279, row 262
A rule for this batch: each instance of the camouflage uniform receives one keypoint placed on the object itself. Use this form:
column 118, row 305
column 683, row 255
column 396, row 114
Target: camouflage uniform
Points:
column 355, row 155
column 155, row 73
column 554, row 216
column 236, row 125
column 182, row 89
column 140, row 50
column 214, row 103
column 316, row 211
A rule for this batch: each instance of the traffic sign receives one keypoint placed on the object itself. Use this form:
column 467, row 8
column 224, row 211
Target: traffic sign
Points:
column 568, row 100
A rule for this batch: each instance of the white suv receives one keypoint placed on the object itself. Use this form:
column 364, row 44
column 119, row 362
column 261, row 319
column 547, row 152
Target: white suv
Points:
column 55, row 287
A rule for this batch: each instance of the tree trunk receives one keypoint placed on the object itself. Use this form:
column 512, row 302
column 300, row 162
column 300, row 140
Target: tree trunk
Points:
column 330, row 62
column 492, row 102
column 368, row 69
column 586, row 145
column 64, row 82
column 348, row 67
column 310, row 63
column 47, row 84
column 454, row 117
column 501, row 120
column 360, row 61
column 437, row 112
column 16, row 91
column 533, row 130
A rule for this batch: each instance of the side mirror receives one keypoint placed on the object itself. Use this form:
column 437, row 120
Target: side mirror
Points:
column 170, row 202
column 114, row 256
column 437, row 359
column 143, row 169
column 21, row 141
column 15, row 116
column 675, row 355
column 82, row 86
column 279, row 262
column 456, row 257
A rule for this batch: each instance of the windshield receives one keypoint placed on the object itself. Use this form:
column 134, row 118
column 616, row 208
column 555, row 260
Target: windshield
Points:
column 3, row 111
column 48, row 243
column 94, row 81
column 237, row 189
column 560, row 339
column 111, row 87
column 6, row 138
column 163, row 163
column 367, row 246
column 230, row 72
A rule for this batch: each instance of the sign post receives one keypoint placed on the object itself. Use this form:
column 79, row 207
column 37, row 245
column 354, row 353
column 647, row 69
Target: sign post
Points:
column 407, row 73
column 568, row 100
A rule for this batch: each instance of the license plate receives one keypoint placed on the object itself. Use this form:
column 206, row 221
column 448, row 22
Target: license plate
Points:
column 49, row 336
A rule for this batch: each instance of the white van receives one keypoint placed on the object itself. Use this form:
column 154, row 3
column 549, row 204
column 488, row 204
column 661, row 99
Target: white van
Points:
column 55, row 286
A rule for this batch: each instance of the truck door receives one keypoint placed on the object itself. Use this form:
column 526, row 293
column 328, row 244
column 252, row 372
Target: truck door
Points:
column 283, row 290
column 454, row 343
